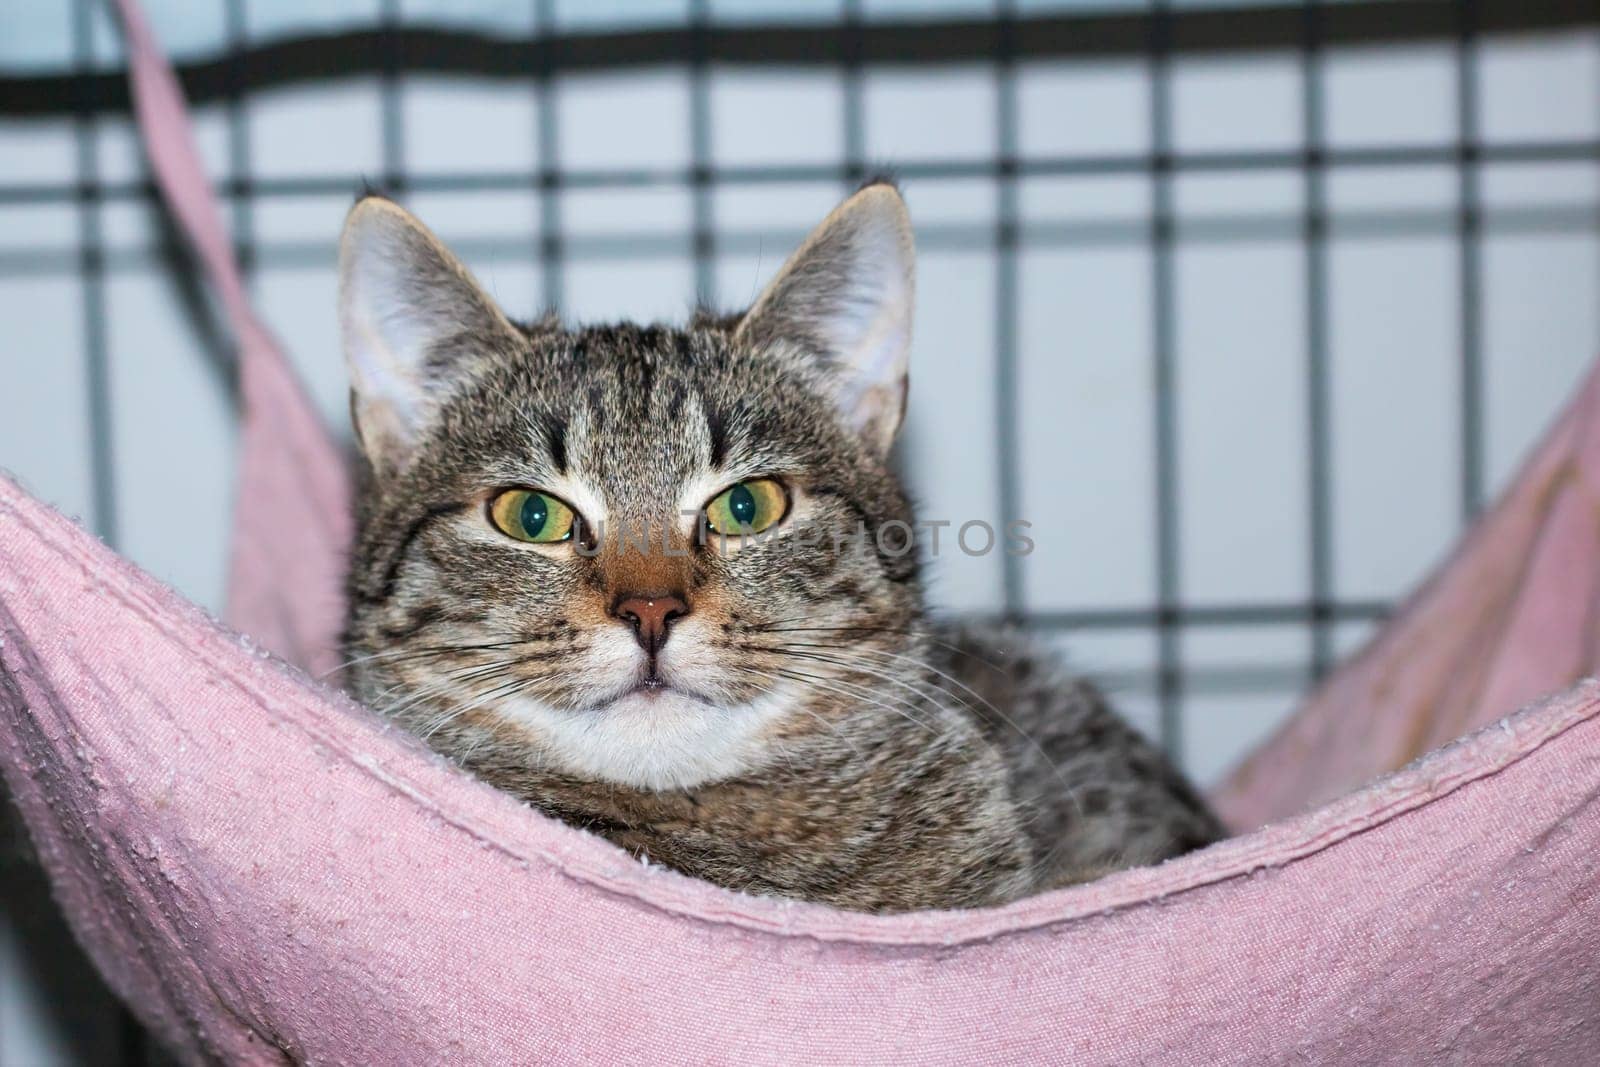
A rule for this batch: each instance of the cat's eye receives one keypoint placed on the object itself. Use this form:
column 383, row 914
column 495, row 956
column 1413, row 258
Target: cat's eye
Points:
column 529, row 515
column 747, row 507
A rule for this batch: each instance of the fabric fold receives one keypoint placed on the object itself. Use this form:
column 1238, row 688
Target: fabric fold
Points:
column 292, row 519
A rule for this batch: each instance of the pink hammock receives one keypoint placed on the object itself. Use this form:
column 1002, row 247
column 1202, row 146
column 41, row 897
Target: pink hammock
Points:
column 265, row 871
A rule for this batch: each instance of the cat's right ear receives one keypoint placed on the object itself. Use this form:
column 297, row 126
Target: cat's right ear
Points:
column 410, row 316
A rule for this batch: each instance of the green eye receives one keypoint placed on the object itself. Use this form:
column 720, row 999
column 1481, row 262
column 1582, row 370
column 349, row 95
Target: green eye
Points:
column 529, row 515
column 748, row 507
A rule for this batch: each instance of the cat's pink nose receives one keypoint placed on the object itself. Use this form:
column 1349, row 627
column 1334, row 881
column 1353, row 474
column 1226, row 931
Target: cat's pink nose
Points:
column 651, row 617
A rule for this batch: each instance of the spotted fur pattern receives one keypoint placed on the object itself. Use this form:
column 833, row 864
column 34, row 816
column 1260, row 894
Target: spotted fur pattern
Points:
column 813, row 735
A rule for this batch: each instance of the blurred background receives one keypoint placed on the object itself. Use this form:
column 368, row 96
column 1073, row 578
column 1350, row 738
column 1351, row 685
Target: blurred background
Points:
column 1247, row 307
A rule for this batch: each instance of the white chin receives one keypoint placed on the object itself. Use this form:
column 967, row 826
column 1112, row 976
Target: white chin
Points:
column 656, row 739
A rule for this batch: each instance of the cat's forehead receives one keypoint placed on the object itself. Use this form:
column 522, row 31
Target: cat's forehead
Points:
column 639, row 413
column 627, row 367
column 625, row 389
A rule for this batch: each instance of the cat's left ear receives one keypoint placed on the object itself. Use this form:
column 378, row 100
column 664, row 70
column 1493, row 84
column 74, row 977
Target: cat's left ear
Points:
column 845, row 298
column 413, row 320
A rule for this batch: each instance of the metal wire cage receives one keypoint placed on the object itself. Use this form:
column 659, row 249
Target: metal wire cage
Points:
column 1246, row 307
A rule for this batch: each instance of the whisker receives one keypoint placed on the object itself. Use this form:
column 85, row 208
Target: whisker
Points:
column 426, row 652
column 505, row 689
column 831, row 727
column 854, row 692
column 450, row 680
column 1070, row 791
column 926, row 635
column 843, row 657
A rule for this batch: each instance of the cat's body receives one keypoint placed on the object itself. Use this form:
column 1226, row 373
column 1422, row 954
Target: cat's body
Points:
column 773, row 714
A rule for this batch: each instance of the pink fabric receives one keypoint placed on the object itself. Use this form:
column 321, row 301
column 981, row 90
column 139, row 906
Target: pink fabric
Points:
column 257, row 866
column 292, row 517
column 264, row 870
column 1513, row 615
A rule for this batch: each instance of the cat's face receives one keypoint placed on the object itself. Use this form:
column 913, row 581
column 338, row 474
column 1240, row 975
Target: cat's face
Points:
column 641, row 552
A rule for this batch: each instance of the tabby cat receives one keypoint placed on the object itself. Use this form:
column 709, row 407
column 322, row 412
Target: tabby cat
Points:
column 635, row 576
